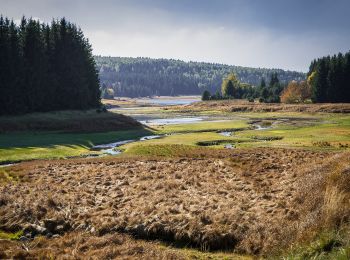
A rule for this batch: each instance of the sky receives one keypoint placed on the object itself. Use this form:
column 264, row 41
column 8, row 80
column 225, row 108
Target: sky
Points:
column 286, row 34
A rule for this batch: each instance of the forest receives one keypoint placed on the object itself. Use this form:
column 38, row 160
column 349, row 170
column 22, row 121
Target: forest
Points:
column 329, row 78
column 139, row 77
column 45, row 67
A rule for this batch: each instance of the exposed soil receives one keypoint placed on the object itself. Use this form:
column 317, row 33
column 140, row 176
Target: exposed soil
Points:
column 235, row 202
column 244, row 106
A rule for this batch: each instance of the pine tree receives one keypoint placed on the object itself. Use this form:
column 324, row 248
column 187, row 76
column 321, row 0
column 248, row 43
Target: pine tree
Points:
column 320, row 85
column 262, row 83
column 45, row 67
column 16, row 97
column 35, row 65
column 206, row 95
column 4, row 68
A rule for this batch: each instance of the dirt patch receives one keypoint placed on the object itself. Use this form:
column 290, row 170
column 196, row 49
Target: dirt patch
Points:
column 243, row 106
column 238, row 202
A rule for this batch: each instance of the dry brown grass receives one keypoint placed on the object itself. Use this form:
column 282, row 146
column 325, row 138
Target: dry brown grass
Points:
column 323, row 199
column 244, row 106
column 82, row 245
column 246, row 201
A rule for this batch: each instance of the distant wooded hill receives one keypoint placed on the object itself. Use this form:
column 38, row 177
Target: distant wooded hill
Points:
column 138, row 77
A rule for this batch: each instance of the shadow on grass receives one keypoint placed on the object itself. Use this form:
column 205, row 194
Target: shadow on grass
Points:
column 22, row 146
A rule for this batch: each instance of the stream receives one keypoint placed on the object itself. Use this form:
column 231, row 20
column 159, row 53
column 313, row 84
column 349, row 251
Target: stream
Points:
column 110, row 148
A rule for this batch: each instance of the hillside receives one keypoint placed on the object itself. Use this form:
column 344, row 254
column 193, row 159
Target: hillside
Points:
column 134, row 77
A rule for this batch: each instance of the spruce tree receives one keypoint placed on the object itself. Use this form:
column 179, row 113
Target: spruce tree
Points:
column 45, row 67
column 320, row 84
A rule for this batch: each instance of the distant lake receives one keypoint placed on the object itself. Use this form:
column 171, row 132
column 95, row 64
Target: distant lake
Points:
column 169, row 101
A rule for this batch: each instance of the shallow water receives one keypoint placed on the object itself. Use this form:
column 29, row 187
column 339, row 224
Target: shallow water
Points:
column 111, row 145
column 229, row 146
column 172, row 121
column 169, row 102
column 6, row 165
column 228, row 134
column 150, row 137
column 259, row 127
column 111, row 151
column 110, row 148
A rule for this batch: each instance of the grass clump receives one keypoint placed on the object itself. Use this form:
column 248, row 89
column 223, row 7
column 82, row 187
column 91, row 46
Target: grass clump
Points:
column 328, row 245
column 11, row 236
column 167, row 150
column 232, row 125
column 7, row 176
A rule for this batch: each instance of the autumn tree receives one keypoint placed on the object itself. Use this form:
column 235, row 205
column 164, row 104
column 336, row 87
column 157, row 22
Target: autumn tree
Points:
column 229, row 85
column 296, row 92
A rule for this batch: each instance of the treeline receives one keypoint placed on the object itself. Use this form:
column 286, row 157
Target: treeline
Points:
column 137, row 77
column 329, row 78
column 45, row 67
column 232, row 88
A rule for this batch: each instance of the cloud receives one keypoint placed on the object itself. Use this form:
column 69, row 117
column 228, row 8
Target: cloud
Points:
column 18, row 21
column 258, row 48
column 271, row 33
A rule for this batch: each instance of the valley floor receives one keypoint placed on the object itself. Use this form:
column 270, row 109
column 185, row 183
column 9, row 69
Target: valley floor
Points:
column 282, row 191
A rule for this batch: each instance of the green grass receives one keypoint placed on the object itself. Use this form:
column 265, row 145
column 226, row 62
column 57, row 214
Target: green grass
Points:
column 325, row 132
column 333, row 130
column 328, row 245
column 167, row 150
column 203, row 127
column 322, row 130
column 11, row 236
column 28, row 146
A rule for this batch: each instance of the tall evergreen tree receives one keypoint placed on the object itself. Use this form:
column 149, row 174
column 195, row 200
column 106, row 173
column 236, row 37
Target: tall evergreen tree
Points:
column 45, row 67
column 320, row 84
column 5, row 89
column 35, row 64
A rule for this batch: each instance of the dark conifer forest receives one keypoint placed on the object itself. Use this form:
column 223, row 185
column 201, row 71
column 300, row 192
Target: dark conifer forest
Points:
column 45, row 67
column 329, row 78
column 139, row 77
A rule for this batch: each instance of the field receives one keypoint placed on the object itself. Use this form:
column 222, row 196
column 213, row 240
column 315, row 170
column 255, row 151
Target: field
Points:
column 281, row 192
column 62, row 134
column 245, row 106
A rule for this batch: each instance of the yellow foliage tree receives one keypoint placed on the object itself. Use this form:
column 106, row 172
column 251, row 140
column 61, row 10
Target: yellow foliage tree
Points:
column 296, row 92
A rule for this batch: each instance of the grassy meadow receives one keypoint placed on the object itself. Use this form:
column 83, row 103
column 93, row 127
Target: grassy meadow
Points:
column 296, row 130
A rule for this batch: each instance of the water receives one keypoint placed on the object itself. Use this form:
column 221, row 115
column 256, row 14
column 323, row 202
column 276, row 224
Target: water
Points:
column 110, row 148
column 171, row 121
column 228, row 134
column 6, row 165
column 169, row 101
column 150, row 137
column 229, row 146
column 259, row 127
column 111, row 145
column 111, row 151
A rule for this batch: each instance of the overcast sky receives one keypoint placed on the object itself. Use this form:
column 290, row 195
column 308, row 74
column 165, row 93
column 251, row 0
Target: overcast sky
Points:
column 285, row 34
